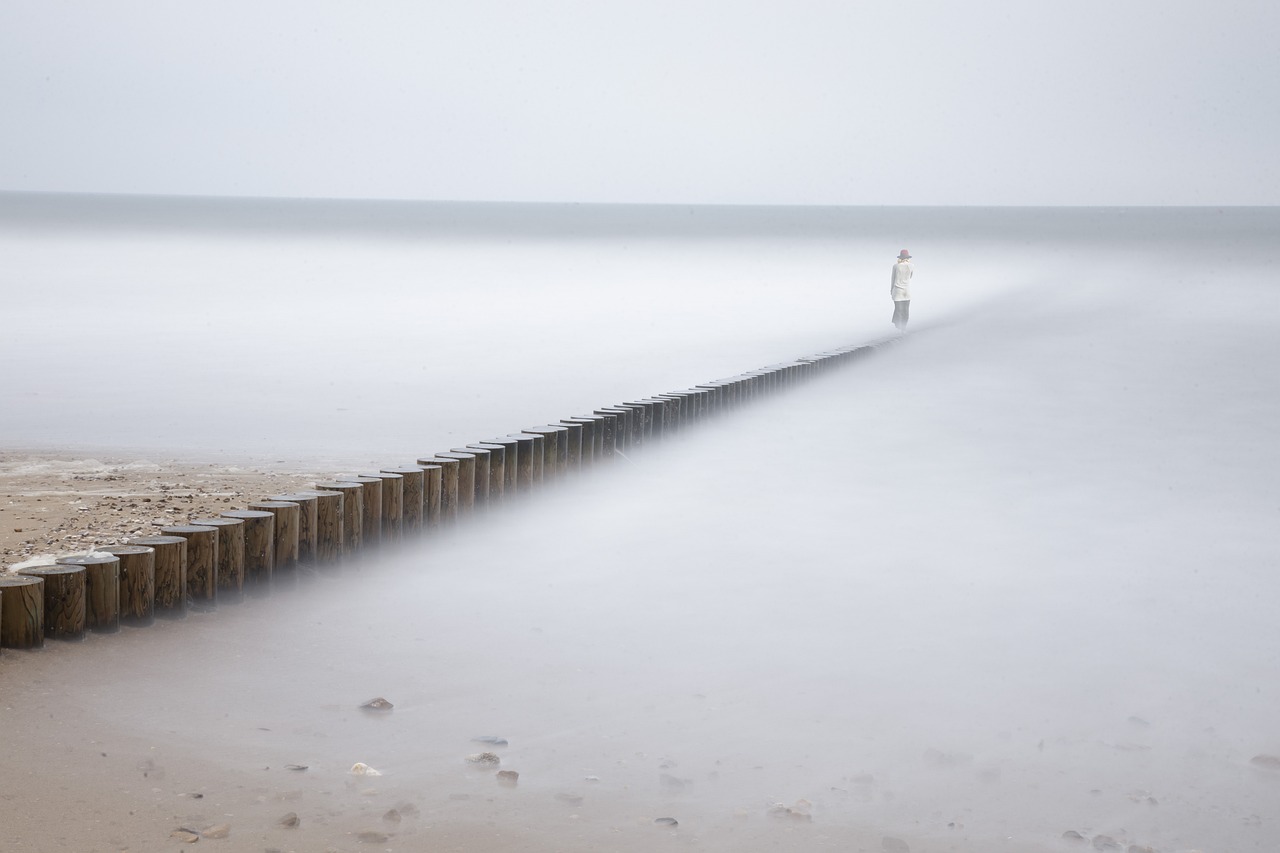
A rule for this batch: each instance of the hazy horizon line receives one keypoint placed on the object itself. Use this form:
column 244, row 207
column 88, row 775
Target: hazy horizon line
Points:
column 648, row 204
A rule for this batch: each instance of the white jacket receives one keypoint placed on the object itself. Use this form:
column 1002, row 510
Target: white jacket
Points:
column 900, row 281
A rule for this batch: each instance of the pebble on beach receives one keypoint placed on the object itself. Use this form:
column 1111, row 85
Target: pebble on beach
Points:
column 485, row 759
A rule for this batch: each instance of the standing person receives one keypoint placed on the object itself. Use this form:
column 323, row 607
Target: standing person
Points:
column 900, row 289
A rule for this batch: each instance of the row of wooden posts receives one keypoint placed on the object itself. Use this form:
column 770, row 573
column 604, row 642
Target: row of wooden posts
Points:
column 253, row 550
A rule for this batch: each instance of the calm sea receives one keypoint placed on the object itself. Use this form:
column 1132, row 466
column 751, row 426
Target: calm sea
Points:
column 332, row 329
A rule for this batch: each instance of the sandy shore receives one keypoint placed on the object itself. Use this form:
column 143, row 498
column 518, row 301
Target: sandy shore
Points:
column 52, row 504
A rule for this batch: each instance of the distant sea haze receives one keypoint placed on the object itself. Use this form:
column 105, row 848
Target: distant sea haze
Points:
column 1007, row 583
column 473, row 318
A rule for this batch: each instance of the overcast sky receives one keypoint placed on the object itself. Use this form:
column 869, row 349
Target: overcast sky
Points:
column 719, row 101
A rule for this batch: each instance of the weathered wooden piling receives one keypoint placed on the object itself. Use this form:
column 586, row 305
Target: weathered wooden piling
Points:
column 392, row 487
column 64, row 600
column 308, row 522
column 352, row 512
column 528, row 461
column 606, row 435
column 259, row 547
column 412, row 498
column 101, row 590
column 466, row 502
column 592, row 437
column 202, row 561
column 482, row 465
column 230, row 571
column 137, row 583
column 573, row 445
column 21, row 611
column 497, row 467
column 432, row 494
column 448, row 486
column 329, row 506
column 288, row 516
column 621, row 427
column 555, row 450
column 170, row 573
column 371, row 517
column 637, row 425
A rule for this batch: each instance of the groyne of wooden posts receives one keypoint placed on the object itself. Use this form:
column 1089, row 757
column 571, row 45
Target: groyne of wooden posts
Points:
column 259, row 549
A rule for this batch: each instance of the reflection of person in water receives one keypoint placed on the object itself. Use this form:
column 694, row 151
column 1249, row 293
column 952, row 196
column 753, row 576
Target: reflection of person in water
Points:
column 900, row 290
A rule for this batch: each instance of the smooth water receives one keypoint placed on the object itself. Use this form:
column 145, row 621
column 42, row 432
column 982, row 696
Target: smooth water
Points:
column 1015, row 576
column 368, row 331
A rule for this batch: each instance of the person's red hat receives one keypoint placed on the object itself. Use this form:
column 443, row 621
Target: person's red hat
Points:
column 904, row 254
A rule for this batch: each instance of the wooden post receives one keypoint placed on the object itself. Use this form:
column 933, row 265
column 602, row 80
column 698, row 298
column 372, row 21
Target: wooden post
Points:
column 413, row 499
column 137, row 583
column 101, row 590
column 432, row 494
column 466, row 480
column 329, row 524
column 371, row 517
column 587, row 455
column 202, row 562
column 621, row 427
column 638, row 427
column 352, row 513
column 574, row 439
column 483, row 466
column 287, row 516
column 392, row 487
column 510, row 462
column 21, row 611
column 308, row 521
column 528, row 461
column 555, row 450
column 675, row 416
column 448, row 487
column 606, row 435
column 230, row 570
column 259, row 546
column 64, row 600
column 171, row 573
column 497, row 469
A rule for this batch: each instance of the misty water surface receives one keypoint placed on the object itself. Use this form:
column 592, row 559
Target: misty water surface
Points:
column 1012, row 577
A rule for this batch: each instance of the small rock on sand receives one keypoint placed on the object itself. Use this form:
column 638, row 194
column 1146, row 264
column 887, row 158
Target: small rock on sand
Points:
column 290, row 820
column 569, row 797
column 186, row 836
column 485, row 759
column 1270, row 762
column 391, row 816
column 222, row 830
column 362, row 769
column 508, row 777
column 1105, row 844
column 372, row 837
column 491, row 740
column 378, row 704
column 1072, row 835
column 666, row 821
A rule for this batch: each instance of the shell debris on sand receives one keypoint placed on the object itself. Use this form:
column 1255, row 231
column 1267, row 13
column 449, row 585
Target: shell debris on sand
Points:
column 362, row 769
column 377, row 704
column 484, row 759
